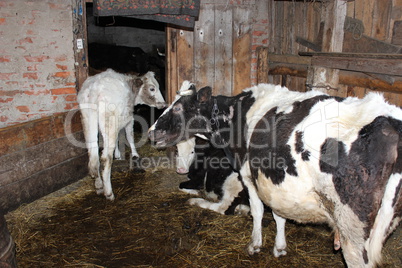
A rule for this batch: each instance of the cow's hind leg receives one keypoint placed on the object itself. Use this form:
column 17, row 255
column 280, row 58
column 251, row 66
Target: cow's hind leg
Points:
column 90, row 125
column 256, row 209
column 110, row 134
column 280, row 239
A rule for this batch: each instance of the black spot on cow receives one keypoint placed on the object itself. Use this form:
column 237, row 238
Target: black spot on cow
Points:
column 365, row 257
column 299, row 146
column 361, row 173
column 397, row 194
column 270, row 152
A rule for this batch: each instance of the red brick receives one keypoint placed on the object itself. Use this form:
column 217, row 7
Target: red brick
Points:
column 61, row 67
column 32, row 68
column 9, row 93
column 62, row 74
column 30, row 75
column 36, row 58
column 6, row 76
column 25, row 40
column 70, row 106
column 6, row 100
column 3, row 118
column 258, row 33
column 61, row 58
column 23, row 109
column 12, row 83
column 2, row 21
column 71, row 98
column 63, row 91
column 4, row 58
column 37, row 92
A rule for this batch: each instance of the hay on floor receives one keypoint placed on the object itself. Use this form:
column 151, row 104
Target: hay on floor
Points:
column 151, row 225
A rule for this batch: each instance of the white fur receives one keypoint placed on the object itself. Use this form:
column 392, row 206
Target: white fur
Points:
column 106, row 102
column 185, row 155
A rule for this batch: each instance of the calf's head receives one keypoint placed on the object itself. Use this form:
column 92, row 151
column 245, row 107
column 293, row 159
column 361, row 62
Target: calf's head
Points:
column 184, row 118
column 185, row 155
column 149, row 92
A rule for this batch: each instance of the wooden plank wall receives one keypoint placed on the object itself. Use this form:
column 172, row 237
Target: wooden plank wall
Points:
column 216, row 53
column 29, row 166
column 292, row 19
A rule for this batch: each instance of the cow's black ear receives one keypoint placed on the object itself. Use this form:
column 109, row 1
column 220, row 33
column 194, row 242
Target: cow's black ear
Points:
column 204, row 94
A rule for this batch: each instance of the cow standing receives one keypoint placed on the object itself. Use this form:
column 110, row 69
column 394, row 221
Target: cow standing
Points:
column 309, row 156
column 106, row 102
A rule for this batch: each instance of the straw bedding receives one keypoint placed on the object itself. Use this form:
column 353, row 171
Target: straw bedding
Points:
column 150, row 225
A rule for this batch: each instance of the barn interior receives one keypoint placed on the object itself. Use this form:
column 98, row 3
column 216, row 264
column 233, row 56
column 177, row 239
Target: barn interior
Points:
column 53, row 217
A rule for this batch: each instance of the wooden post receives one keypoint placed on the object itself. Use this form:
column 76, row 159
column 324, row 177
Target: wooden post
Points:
column 326, row 79
column 263, row 66
column 80, row 42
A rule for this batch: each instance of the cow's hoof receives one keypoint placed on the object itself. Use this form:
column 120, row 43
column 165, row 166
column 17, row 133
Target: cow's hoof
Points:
column 99, row 191
column 195, row 201
column 279, row 252
column 110, row 197
column 251, row 249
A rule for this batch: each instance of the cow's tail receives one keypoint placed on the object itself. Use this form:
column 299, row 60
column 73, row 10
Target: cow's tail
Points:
column 90, row 122
column 384, row 222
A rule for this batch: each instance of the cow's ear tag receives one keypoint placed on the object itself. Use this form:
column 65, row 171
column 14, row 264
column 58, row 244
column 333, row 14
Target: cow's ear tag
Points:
column 204, row 94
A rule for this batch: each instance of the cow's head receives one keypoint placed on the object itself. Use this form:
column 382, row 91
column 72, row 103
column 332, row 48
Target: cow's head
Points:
column 185, row 155
column 148, row 92
column 185, row 117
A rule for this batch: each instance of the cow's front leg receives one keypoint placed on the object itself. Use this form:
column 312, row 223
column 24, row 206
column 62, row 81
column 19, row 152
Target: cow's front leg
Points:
column 130, row 138
column 280, row 239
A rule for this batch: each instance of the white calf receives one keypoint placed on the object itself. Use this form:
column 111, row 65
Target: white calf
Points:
column 106, row 102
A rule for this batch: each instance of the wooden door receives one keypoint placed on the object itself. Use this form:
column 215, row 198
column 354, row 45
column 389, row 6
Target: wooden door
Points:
column 216, row 53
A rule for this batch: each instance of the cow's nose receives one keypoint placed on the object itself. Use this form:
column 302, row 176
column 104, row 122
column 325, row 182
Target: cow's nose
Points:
column 161, row 105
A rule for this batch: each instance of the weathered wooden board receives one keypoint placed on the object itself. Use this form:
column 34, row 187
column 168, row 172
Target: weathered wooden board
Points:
column 172, row 72
column 242, row 26
column 204, row 37
column 397, row 33
column 379, row 66
column 39, row 157
column 185, row 62
column 223, row 51
column 262, row 65
column 42, row 183
column 366, row 44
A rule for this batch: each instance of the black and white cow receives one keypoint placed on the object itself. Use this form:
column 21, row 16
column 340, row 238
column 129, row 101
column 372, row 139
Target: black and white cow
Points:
column 309, row 156
column 209, row 171
column 106, row 102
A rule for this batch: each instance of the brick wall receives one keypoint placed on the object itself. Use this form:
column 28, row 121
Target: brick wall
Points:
column 37, row 60
column 37, row 99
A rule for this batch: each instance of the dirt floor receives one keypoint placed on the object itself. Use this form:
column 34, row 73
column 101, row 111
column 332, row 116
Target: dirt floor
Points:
column 151, row 225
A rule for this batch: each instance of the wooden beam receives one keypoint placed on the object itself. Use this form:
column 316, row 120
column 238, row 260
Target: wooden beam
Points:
column 345, row 77
column 288, row 58
column 352, row 55
column 288, row 69
column 367, row 65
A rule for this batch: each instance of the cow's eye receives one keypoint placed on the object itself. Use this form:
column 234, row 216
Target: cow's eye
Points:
column 152, row 89
column 177, row 109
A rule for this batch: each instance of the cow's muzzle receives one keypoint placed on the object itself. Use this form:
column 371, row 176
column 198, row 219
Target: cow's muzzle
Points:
column 161, row 105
